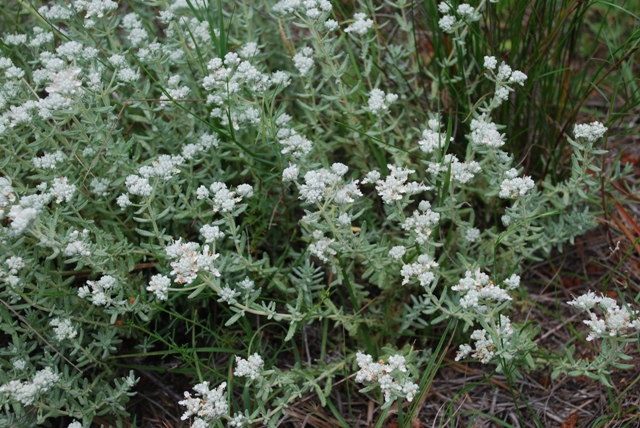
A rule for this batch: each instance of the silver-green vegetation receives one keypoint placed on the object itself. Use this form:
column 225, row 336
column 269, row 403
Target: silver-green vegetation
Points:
column 190, row 180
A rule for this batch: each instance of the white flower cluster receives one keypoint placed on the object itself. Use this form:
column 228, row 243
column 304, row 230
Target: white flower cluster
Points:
column 63, row 329
column 298, row 145
column 228, row 295
column 324, row 184
column 290, row 173
column 94, row 8
column 360, row 25
column 205, row 142
column 6, row 195
column 589, row 131
column 55, row 12
column 164, row 167
column 312, row 8
column 207, row 406
column 391, row 377
column 422, row 222
column 449, row 22
column 9, row 277
column 100, row 291
column 26, row 211
column 513, row 186
column 395, row 186
column 432, row 138
column 62, row 190
column 159, row 285
column 137, row 34
column 77, row 245
column 189, row 261
column 49, row 160
column 472, row 234
column 303, row 60
column 476, row 288
column 503, row 78
column 137, row 185
column 249, row 50
column 421, row 270
column 484, row 347
column 251, row 368
column 461, row 172
column 396, row 253
column 226, row 76
column 174, row 91
column 321, row 248
column 224, row 200
column 29, row 391
column 379, row 101
column 100, row 186
column 617, row 321
column 211, row 233
column 485, row 133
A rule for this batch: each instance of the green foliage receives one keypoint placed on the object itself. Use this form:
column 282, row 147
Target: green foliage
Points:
column 209, row 180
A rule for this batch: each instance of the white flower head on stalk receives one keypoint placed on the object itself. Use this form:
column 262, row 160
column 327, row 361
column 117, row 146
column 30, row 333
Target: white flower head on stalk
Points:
column 461, row 171
column 211, row 234
column 379, row 101
column 321, row 248
column 290, row 173
column 298, row 145
column 420, row 270
column 395, row 186
column 422, row 222
column 207, row 406
column 324, row 184
column 63, row 329
column 514, row 187
column 617, row 321
column 476, row 289
column 224, row 200
column 485, row 133
column 29, row 391
column 484, row 346
column 251, row 367
column 77, row 245
column 360, row 25
column 391, row 377
column 303, row 60
column 159, row 285
column 590, row 132
column 190, row 261
column 100, row 291
column 396, row 253
column 432, row 138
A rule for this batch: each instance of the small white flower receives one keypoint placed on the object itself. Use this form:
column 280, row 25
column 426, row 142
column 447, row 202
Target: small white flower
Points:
column 514, row 187
column 331, row 25
column 159, row 285
column 360, row 25
column 490, row 62
column 64, row 329
column 472, row 234
column 397, row 252
column 590, row 132
column 303, row 60
column 290, row 173
column 123, row 201
column 250, row 368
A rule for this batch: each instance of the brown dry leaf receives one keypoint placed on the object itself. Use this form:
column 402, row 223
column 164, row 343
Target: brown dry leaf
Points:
column 571, row 421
